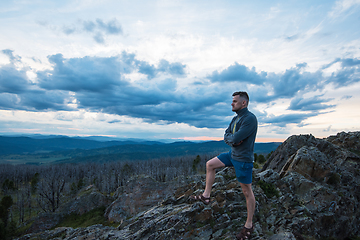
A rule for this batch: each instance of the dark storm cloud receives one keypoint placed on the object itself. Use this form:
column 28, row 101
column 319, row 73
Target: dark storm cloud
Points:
column 100, row 84
column 345, row 62
column 40, row 100
column 17, row 92
column 309, row 104
column 295, row 80
column 13, row 80
column 167, row 84
column 345, row 76
column 271, row 86
column 175, row 69
column 172, row 68
column 92, row 74
column 348, row 74
column 350, row 62
column 238, row 73
column 284, row 119
column 9, row 101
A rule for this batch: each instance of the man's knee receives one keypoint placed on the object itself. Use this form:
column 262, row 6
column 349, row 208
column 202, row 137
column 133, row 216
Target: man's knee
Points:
column 247, row 190
column 214, row 163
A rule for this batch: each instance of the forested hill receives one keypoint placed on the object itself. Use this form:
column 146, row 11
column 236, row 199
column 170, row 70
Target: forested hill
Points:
column 18, row 150
column 23, row 145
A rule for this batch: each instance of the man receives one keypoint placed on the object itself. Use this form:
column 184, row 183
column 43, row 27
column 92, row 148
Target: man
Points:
column 240, row 135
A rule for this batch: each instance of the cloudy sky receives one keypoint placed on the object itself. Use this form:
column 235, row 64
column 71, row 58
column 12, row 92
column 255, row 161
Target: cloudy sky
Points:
column 167, row 69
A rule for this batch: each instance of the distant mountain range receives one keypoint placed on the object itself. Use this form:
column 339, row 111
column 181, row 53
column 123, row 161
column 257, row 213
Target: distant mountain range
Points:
column 62, row 149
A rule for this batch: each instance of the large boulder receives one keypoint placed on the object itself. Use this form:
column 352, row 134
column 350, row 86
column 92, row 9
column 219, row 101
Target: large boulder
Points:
column 138, row 194
column 320, row 179
column 350, row 140
column 87, row 199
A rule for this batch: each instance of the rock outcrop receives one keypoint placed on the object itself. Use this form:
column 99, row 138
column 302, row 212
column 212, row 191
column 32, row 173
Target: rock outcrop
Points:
column 139, row 194
column 86, row 200
column 308, row 189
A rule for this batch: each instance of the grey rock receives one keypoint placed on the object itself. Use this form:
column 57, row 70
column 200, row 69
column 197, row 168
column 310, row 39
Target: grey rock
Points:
column 317, row 181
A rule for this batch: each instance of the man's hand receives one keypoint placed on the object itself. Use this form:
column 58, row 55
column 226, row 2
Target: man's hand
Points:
column 237, row 144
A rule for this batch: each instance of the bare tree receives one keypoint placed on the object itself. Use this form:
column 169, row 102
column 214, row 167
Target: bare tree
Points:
column 51, row 185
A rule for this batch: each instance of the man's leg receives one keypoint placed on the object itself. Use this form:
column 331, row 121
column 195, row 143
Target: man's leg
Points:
column 211, row 167
column 250, row 203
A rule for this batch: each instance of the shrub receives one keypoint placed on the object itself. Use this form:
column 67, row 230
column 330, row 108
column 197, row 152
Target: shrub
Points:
column 95, row 216
column 261, row 159
column 334, row 179
column 269, row 189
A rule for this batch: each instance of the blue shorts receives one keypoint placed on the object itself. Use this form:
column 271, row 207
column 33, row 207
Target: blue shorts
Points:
column 243, row 170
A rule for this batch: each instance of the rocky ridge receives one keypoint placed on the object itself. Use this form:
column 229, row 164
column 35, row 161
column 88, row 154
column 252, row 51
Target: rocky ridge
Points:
column 308, row 189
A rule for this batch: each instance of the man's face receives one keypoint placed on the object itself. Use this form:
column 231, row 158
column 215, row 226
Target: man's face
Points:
column 238, row 103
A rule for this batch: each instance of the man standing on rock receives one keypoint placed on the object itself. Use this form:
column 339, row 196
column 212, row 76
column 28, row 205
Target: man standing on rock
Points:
column 240, row 135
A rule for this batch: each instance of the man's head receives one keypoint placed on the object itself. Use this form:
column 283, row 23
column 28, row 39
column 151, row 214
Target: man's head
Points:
column 240, row 101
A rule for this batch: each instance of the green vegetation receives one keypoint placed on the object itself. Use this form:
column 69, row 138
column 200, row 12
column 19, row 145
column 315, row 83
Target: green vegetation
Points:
column 269, row 189
column 269, row 154
column 7, row 229
column 95, row 216
column 8, row 186
column 355, row 238
column 334, row 179
column 34, row 182
column 259, row 158
column 196, row 163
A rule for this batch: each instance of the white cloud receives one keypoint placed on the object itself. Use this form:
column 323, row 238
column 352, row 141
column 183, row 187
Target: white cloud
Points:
column 271, row 37
column 343, row 7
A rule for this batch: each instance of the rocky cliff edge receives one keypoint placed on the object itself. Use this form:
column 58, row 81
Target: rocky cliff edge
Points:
column 308, row 189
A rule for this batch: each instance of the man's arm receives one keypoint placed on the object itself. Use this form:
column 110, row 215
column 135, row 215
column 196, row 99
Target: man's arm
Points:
column 228, row 135
column 245, row 130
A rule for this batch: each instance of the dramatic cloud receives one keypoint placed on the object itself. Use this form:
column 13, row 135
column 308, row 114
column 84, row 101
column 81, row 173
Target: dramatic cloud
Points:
column 347, row 75
column 285, row 119
column 102, row 84
column 13, row 80
column 174, row 69
column 309, row 104
column 92, row 74
column 271, row 86
column 295, row 80
column 238, row 73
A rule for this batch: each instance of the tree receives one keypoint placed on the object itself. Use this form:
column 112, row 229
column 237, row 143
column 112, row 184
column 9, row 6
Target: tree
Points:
column 196, row 163
column 51, row 185
column 261, row 159
column 7, row 186
column 269, row 154
column 34, row 182
column 5, row 204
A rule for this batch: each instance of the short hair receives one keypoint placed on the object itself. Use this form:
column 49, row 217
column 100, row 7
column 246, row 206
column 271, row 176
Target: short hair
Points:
column 242, row 94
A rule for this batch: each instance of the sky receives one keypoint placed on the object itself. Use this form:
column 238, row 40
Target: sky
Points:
column 161, row 69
